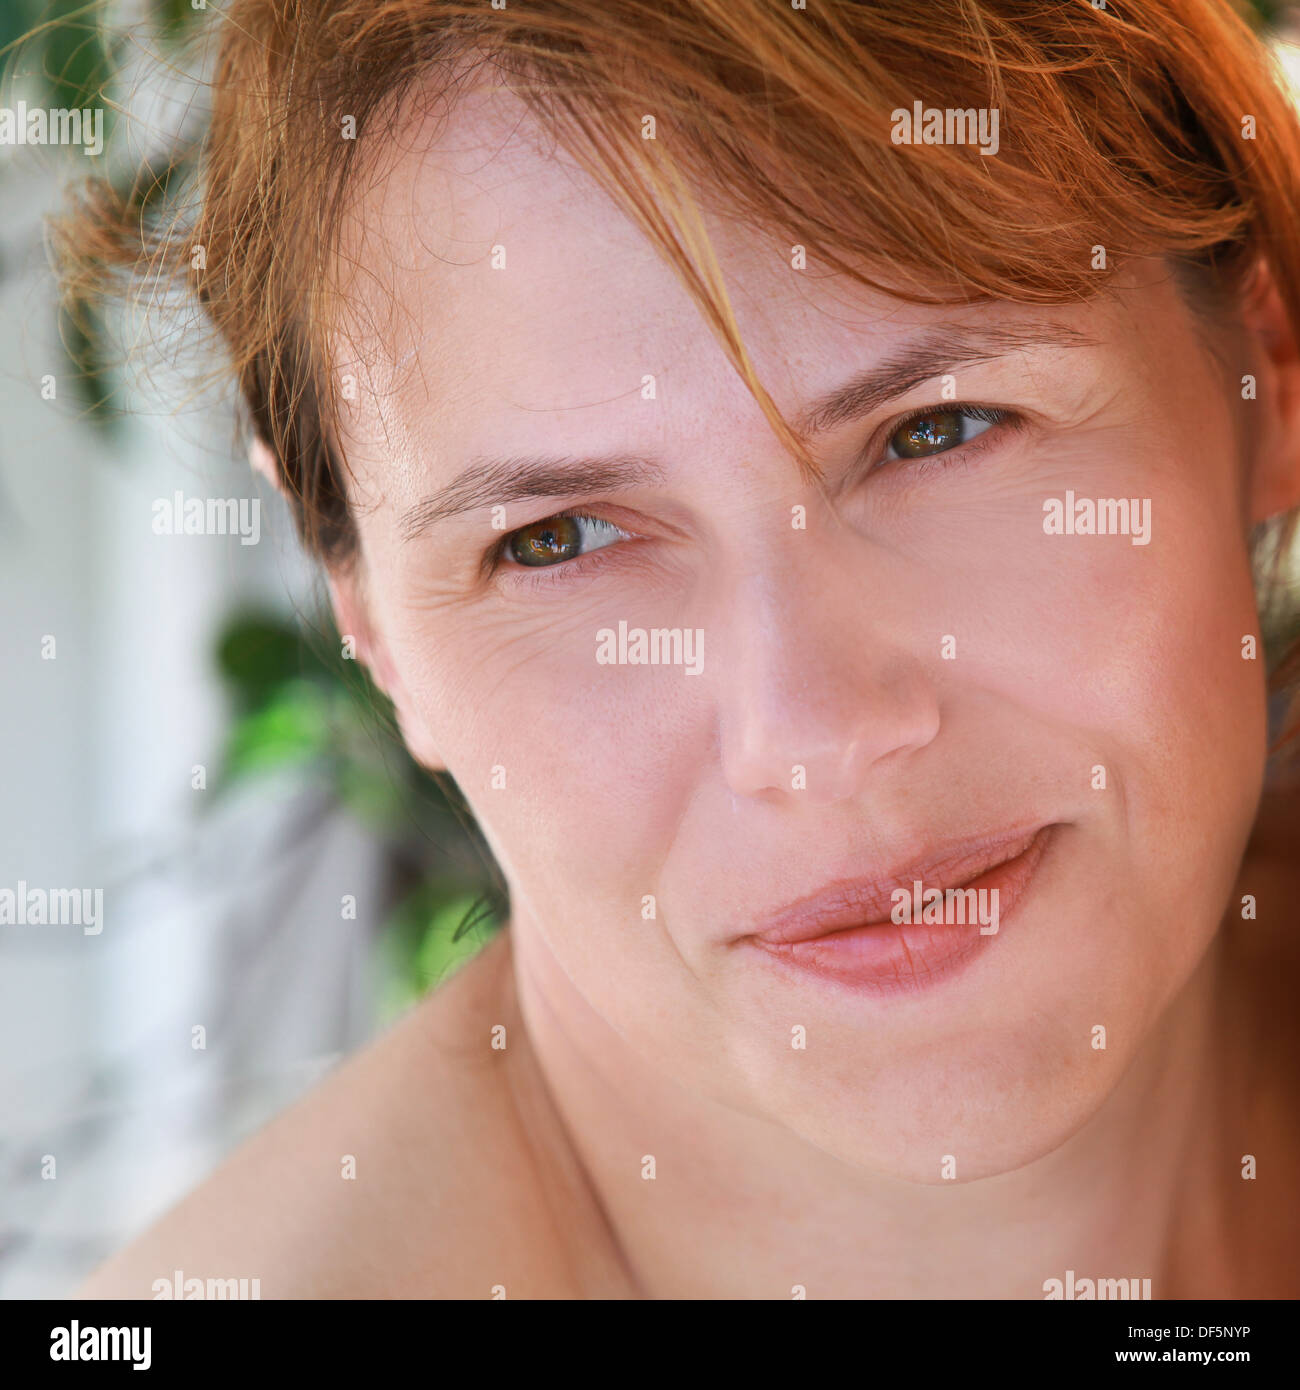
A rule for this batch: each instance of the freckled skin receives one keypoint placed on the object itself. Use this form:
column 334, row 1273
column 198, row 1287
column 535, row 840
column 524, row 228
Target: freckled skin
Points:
column 667, row 1036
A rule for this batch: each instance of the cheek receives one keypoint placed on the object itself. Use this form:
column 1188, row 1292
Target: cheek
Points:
column 1131, row 657
column 578, row 772
column 1135, row 641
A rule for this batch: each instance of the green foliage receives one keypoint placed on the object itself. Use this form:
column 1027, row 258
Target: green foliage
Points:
column 258, row 655
column 175, row 18
column 429, row 937
column 298, row 706
column 76, row 65
column 81, row 331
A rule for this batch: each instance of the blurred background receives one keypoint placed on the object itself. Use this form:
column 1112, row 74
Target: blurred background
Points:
column 179, row 726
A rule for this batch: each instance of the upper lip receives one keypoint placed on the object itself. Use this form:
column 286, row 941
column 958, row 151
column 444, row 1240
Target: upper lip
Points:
column 860, row 902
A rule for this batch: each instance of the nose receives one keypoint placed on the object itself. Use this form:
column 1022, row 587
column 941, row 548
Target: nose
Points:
column 822, row 681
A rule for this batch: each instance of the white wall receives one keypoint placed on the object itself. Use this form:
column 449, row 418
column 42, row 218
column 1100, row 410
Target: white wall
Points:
column 205, row 921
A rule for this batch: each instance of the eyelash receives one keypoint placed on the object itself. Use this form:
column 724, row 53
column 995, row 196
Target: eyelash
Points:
column 546, row 576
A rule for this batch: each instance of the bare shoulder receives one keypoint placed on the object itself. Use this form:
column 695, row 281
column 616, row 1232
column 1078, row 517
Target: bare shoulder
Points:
column 403, row 1174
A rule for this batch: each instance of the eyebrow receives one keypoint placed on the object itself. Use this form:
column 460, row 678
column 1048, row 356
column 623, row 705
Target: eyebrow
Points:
column 487, row 482
column 937, row 354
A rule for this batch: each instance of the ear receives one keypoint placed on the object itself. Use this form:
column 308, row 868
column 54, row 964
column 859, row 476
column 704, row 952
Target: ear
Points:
column 263, row 461
column 1274, row 482
column 352, row 614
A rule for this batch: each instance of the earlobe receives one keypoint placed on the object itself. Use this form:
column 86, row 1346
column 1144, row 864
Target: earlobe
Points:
column 1274, row 484
column 263, row 461
column 351, row 614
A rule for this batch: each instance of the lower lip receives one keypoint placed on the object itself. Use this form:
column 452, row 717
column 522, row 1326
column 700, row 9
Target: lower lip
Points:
column 887, row 958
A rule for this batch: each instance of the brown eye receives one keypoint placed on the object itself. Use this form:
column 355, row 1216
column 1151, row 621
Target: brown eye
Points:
column 560, row 538
column 548, row 542
column 937, row 431
column 929, row 434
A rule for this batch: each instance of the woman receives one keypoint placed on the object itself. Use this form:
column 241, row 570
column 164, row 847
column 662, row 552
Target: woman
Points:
column 799, row 470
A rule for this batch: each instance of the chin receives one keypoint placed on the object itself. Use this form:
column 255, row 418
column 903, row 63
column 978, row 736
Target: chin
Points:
column 994, row 1132
column 956, row 1109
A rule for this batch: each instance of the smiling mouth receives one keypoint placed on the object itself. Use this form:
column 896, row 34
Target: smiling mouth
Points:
column 851, row 932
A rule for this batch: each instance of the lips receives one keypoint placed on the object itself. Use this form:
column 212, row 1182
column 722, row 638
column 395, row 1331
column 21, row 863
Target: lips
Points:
column 845, row 930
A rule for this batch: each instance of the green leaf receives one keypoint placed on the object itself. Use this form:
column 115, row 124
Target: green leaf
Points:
column 75, row 60
column 294, row 727
column 258, row 654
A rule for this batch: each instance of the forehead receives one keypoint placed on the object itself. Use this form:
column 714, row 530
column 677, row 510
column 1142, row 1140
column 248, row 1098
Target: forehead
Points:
column 487, row 265
column 500, row 301
column 487, row 255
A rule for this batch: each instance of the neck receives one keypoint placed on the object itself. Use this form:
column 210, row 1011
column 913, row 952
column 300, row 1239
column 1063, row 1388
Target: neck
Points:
column 740, row 1206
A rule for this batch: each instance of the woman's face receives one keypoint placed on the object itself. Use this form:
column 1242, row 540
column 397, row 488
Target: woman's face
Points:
column 904, row 677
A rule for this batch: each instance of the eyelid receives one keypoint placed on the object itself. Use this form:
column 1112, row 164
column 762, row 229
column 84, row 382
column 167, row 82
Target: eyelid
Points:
column 513, row 578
